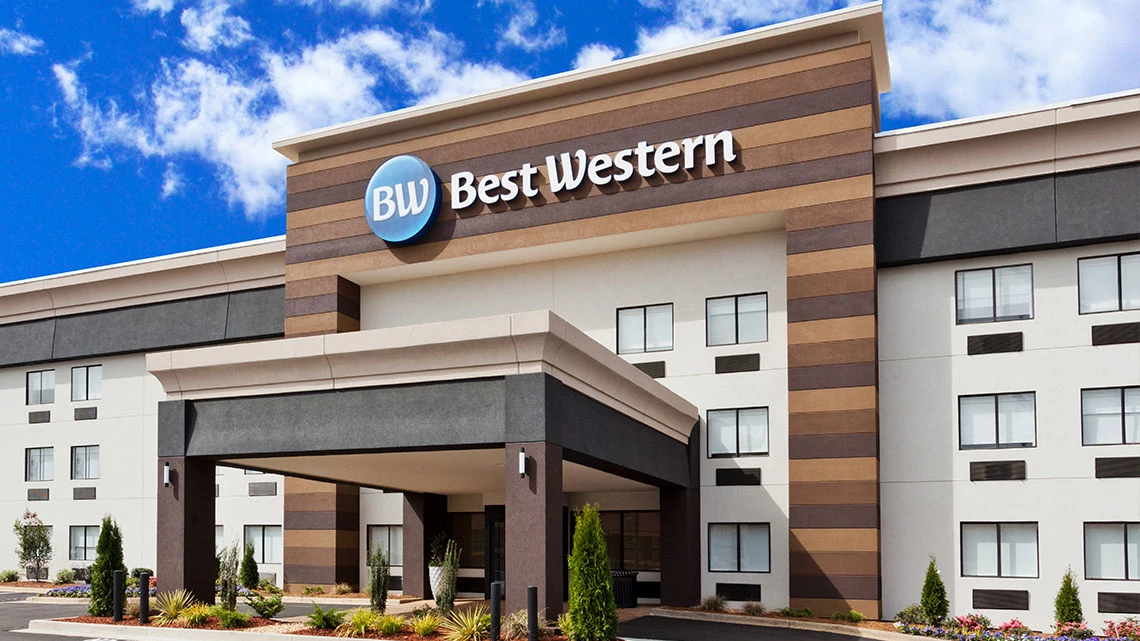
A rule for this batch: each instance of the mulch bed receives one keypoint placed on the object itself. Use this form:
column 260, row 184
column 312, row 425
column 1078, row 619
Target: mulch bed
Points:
column 874, row 625
column 37, row 584
column 211, row 624
column 407, row 636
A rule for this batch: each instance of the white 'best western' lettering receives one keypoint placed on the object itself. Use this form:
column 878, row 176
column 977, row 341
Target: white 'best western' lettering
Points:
column 566, row 172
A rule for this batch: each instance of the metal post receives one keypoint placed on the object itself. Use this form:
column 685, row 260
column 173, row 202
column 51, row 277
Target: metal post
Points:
column 496, row 609
column 117, row 596
column 532, row 613
column 144, row 598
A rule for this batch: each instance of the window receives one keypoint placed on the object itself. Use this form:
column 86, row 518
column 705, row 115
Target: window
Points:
column 1109, row 283
column 219, row 538
column 998, row 294
column 736, row 319
column 1110, row 416
column 83, row 540
column 469, row 531
column 737, row 432
column 739, row 547
column 997, row 420
column 39, row 464
column 41, row 387
column 266, row 542
column 633, row 540
column 87, row 383
column 1112, row 551
column 645, row 329
column 248, row 472
column 391, row 538
column 85, row 462
column 999, row 549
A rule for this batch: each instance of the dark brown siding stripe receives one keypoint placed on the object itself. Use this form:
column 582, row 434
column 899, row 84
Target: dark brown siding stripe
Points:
column 834, row 237
column 843, row 97
column 834, row 493
column 834, row 353
column 833, row 446
column 832, row 376
column 312, row 287
column 842, row 213
column 833, row 516
column 813, row 285
column 832, row 423
column 692, row 191
column 835, row 563
column 321, row 304
column 322, row 556
column 321, row 520
column 837, row 306
column 308, row 574
column 565, row 132
column 834, row 587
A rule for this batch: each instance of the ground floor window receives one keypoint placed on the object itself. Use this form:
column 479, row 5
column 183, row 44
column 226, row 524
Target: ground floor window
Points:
column 219, row 537
column 633, row 540
column 266, row 542
column 999, row 549
column 469, row 530
column 740, row 547
column 83, row 541
column 1112, row 551
column 389, row 538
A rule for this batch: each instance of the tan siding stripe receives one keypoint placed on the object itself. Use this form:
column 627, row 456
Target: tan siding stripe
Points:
column 821, row 470
column 854, row 211
column 833, row 423
column 825, row 331
column 836, row 493
column 829, row 284
column 832, row 400
column 834, row 540
column 832, row 260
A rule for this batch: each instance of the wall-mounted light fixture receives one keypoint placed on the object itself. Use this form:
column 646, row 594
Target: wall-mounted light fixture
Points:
column 522, row 463
column 166, row 474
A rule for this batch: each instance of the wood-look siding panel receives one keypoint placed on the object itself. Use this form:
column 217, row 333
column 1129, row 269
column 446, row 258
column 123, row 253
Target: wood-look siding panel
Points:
column 827, row 215
column 830, row 284
column 833, row 237
column 834, row 306
column 831, row 330
column 839, row 493
column 832, row 260
column 833, row 470
column 834, row 353
column 839, row 563
column 833, row 446
column 833, row 540
column 832, row 376
column 843, row 422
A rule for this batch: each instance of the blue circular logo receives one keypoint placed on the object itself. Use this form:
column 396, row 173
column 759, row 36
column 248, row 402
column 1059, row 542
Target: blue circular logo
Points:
column 402, row 199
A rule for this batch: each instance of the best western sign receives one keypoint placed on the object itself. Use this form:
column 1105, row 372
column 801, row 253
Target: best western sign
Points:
column 404, row 194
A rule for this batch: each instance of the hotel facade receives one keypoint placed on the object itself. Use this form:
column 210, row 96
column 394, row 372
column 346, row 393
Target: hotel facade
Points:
column 789, row 356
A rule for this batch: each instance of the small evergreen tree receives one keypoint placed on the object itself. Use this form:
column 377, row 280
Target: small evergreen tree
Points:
column 228, row 579
column 108, row 558
column 379, row 571
column 593, row 612
column 33, row 545
column 249, row 574
column 1067, row 606
column 935, row 605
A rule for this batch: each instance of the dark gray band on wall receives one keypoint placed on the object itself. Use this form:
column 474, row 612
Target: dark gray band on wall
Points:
column 245, row 315
column 1082, row 207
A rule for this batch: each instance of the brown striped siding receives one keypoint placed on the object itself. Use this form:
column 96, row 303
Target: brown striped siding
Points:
column 843, row 563
column 321, row 533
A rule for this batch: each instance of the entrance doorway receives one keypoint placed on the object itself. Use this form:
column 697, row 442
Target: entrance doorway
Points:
column 496, row 569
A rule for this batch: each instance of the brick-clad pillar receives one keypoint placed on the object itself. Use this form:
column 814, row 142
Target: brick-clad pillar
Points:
column 185, row 550
column 833, row 409
column 425, row 515
column 534, row 526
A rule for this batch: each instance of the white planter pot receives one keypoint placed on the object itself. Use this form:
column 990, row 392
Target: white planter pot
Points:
column 435, row 579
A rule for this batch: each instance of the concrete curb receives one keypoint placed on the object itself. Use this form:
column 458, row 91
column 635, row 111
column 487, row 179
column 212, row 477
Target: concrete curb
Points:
column 347, row 602
column 147, row 633
column 27, row 590
column 766, row 622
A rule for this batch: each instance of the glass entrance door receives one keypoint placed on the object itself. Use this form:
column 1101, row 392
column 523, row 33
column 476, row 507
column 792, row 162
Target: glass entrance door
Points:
column 496, row 569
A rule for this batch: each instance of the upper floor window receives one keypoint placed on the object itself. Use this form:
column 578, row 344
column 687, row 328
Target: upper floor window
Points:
column 999, row 549
column 633, row 540
column 1109, row 283
column 997, row 420
column 645, row 329
column 41, row 387
column 739, row 547
column 736, row 319
column 266, row 542
column 738, row 432
column 85, row 462
column 87, row 383
column 83, row 541
column 1112, row 551
column 391, row 538
column 1110, row 416
column 39, row 464
column 995, row 294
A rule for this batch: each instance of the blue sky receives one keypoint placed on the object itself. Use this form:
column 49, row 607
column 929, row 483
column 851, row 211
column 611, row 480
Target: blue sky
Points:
column 136, row 128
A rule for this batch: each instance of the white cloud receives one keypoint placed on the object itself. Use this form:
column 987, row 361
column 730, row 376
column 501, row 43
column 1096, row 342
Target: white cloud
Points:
column 229, row 117
column 595, row 55
column 20, row 44
column 370, row 7
column 521, row 29
column 172, row 181
column 698, row 20
column 162, row 6
column 210, row 26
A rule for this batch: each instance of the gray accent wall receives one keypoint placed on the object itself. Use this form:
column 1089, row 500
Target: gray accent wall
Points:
column 245, row 315
column 1083, row 207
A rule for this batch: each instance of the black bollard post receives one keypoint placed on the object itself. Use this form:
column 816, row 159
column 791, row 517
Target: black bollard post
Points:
column 496, row 609
column 117, row 596
column 532, row 613
column 144, row 598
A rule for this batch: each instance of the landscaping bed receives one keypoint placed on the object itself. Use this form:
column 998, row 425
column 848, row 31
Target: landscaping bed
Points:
column 210, row 624
column 775, row 614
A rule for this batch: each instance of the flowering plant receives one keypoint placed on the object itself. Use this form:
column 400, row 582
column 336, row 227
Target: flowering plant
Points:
column 974, row 623
column 1128, row 628
column 956, row 634
column 1073, row 630
column 1013, row 628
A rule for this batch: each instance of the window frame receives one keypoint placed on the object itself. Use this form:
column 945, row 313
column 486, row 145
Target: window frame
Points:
column 1085, row 547
column 997, row 428
column 88, row 463
column 368, row 541
column 71, row 549
column 736, row 319
column 767, row 432
column 27, row 467
column 645, row 328
column 962, row 552
column 621, row 536
column 1123, row 415
column 1119, row 283
column 708, row 547
column 245, row 541
column 87, row 383
column 994, row 294
column 28, row 387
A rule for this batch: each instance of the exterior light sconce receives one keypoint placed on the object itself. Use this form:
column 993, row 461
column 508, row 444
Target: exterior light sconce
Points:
column 166, row 474
column 522, row 463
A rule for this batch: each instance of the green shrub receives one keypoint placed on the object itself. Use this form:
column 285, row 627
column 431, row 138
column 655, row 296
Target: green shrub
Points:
column 137, row 572
column 33, row 545
column 248, row 575
column 66, row 575
column 359, row 623
column 472, row 624
column 754, row 609
column 169, row 606
column 389, row 624
column 853, row 616
column 1067, row 605
column 425, row 624
column 714, row 603
column 593, row 612
column 797, row 613
column 935, row 605
column 911, row 614
column 229, row 619
column 309, row 590
column 563, row 622
column 379, row 572
column 425, row 608
column 438, row 547
column 445, row 600
column 108, row 558
column 265, row 585
column 195, row 615
column 266, row 607
column 9, row 576
column 325, row 619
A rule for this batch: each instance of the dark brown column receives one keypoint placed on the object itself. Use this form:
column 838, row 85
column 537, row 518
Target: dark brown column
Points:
column 424, row 516
column 322, row 534
column 680, row 546
column 185, row 552
column 534, row 526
